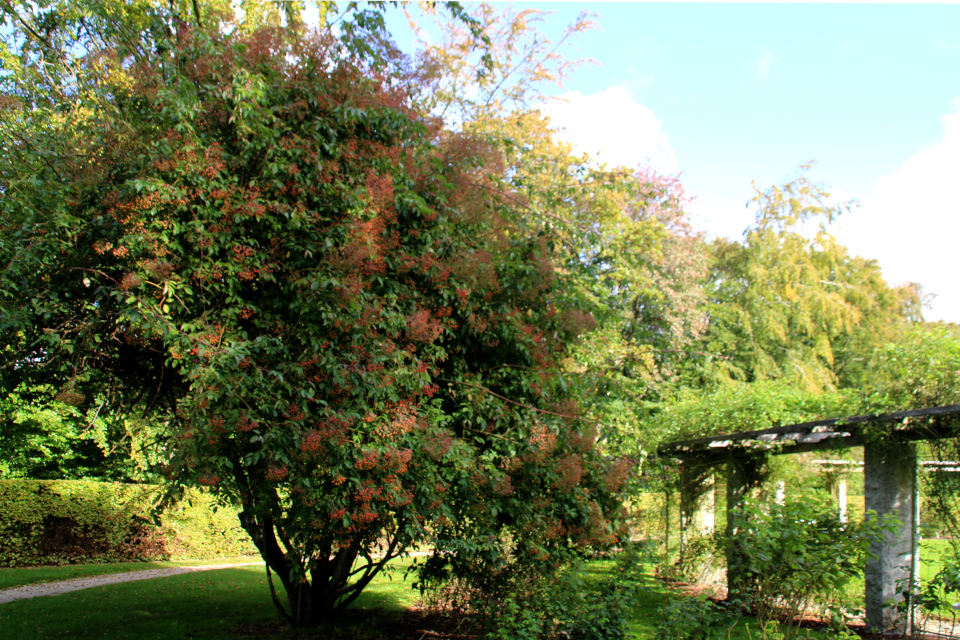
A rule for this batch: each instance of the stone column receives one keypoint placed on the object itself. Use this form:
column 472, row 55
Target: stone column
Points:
column 890, row 476
column 695, row 484
column 689, row 495
column 696, row 500
column 704, row 519
column 742, row 475
column 842, row 499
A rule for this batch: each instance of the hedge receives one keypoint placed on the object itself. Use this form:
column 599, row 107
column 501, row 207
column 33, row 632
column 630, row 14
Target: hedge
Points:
column 46, row 522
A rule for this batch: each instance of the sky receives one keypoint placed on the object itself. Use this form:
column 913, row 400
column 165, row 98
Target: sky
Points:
column 731, row 95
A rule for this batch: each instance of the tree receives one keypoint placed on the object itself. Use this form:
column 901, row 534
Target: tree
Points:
column 636, row 264
column 798, row 307
column 46, row 437
column 917, row 370
column 39, row 438
column 341, row 326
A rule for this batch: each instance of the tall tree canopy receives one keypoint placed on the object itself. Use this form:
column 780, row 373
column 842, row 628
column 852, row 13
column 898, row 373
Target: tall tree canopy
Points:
column 636, row 264
column 338, row 323
column 796, row 326
column 790, row 303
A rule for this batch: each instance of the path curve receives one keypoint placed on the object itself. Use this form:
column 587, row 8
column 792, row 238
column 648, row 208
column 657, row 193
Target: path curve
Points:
column 76, row 584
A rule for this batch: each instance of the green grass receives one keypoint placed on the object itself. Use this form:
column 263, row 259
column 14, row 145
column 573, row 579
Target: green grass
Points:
column 20, row 577
column 234, row 603
column 932, row 556
column 223, row 604
column 642, row 624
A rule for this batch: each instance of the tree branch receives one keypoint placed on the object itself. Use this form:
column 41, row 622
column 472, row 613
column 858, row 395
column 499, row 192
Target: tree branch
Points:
column 520, row 404
column 526, row 206
column 196, row 12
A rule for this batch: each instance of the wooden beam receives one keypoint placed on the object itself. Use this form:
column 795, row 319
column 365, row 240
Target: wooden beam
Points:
column 839, row 433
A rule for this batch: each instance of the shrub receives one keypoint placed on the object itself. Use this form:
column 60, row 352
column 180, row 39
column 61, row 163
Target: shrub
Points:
column 686, row 618
column 934, row 598
column 572, row 603
column 579, row 608
column 790, row 555
column 68, row 521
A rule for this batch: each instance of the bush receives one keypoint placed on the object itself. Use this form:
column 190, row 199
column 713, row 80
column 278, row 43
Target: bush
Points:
column 685, row 618
column 572, row 603
column 578, row 608
column 199, row 528
column 67, row 522
column 788, row 556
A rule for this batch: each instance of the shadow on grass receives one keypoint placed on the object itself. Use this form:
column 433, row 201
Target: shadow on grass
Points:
column 213, row 605
column 231, row 604
column 235, row 603
column 23, row 576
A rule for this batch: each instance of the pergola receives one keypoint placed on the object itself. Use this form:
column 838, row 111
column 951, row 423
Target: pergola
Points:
column 890, row 482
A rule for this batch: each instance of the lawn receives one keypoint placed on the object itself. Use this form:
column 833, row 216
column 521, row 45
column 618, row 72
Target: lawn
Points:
column 21, row 577
column 933, row 553
column 234, row 603
column 215, row 605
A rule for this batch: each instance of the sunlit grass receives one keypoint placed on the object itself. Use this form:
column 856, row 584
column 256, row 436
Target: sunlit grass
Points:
column 235, row 603
column 20, row 577
column 216, row 605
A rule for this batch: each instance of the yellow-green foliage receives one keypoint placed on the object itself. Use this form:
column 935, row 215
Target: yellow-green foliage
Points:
column 198, row 528
column 69, row 521
column 738, row 406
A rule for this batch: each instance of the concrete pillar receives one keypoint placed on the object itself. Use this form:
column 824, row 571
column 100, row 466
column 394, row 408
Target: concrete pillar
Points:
column 689, row 493
column 705, row 518
column 667, row 499
column 696, row 496
column 842, row 499
column 830, row 483
column 743, row 474
column 890, row 476
column 836, row 486
column 688, row 498
column 916, row 530
column 696, row 501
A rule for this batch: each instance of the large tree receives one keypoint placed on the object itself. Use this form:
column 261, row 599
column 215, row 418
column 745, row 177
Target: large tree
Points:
column 636, row 263
column 790, row 303
column 340, row 325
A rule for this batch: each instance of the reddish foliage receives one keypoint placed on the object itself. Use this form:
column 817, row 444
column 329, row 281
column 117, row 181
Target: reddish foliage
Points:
column 569, row 470
column 318, row 277
column 423, row 327
column 618, row 473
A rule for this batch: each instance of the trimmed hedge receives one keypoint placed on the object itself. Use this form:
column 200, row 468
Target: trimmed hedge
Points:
column 72, row 521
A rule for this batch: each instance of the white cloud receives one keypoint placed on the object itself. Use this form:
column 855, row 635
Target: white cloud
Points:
column 613, row 127
column 910, row 222
column 761, row 69
column 720, row 216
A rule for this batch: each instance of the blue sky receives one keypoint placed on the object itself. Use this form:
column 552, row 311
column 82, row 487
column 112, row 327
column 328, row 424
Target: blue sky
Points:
column 729, row 94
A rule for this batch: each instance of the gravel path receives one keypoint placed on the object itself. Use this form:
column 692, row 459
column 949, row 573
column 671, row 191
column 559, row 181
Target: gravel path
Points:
column 65, row 586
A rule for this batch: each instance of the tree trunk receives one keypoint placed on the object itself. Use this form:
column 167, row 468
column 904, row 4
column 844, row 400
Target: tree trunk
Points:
column 329, row 591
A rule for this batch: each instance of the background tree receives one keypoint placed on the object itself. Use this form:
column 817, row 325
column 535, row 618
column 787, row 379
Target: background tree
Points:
column 790, row 303
column 794, row 326
column 45, row 436
column 621, row 232
column 919, row 369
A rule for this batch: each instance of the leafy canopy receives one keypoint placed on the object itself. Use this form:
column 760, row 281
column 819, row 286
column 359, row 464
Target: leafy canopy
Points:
column 316, row 295
column 791, row 303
